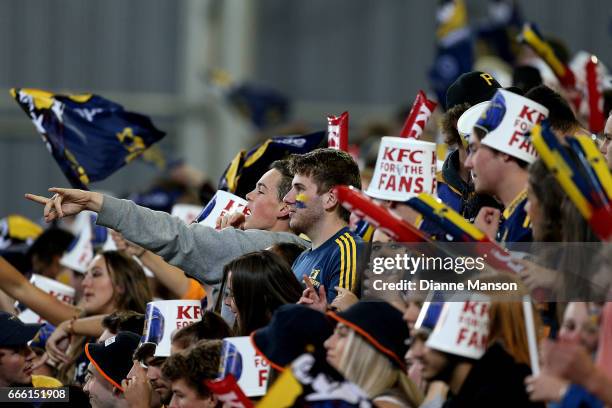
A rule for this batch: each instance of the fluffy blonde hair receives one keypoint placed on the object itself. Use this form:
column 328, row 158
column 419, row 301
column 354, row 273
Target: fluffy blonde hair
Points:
column 374, row 372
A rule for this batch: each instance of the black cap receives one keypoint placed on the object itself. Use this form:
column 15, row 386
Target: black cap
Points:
column 381, row 325
column 293, row 331
column 113, row 358
column 472, row 87
column 14, row 332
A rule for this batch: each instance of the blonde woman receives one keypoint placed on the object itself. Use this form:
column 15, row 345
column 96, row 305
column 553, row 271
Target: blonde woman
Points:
column 368, row 348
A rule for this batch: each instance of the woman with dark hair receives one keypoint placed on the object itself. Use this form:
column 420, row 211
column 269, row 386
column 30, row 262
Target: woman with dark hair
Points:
column 255, row 285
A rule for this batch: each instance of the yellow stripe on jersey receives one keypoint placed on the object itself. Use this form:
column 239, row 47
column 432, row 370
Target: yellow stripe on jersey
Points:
column 527, row 222
column 348, row 273
column 341, row 245
column 354, row 250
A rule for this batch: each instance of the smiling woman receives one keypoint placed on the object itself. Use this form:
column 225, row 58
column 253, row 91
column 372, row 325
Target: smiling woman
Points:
column 113, row 282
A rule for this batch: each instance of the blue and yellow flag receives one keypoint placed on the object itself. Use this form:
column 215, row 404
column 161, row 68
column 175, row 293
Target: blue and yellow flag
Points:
column 245, row 169
column 90, row 137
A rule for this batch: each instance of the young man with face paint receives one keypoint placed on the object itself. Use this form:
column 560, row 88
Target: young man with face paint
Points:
column 198, row 250
column 499, row 154
column 315, row 211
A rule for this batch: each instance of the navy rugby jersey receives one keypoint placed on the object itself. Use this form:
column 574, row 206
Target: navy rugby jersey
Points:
column 516, row 226
column 334, row 263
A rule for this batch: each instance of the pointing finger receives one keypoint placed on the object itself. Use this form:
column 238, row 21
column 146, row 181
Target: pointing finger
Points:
column 37, row 199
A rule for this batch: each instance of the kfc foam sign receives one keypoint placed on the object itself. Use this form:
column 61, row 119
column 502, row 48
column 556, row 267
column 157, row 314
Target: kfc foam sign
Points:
column 164, row 317
column 238, row 357
column 463, row 328
column 61, row 292
column 508, row 120
column 404, row 169
column 222, row 203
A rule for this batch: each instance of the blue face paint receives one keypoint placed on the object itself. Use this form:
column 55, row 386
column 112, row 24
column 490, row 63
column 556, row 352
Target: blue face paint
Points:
column 300, row 200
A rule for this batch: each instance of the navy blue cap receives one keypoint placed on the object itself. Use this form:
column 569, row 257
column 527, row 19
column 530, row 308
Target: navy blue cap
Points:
column 14, row 332
column 293, row 331
column 381, row 325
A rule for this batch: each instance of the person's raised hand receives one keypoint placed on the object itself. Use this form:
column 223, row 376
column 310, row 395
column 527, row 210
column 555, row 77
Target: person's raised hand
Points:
column 234, row 219
column 125, row 245
column 568, row 360
column 487, row 220
column 536, row 276
column 58, row 342
column 311, row 298
column 344, row 299
column 545, row 387
column 137, row 388
column 67, row 201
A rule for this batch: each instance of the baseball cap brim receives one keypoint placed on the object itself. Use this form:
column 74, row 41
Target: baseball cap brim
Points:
column 21, row 336
column 468, row 119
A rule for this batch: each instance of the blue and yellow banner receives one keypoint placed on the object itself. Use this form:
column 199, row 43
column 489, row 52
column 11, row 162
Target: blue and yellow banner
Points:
column 245, row 169
column 89, row 136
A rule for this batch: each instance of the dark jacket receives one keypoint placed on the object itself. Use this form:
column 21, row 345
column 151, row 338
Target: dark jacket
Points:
column 458, row 194
column 495, row 381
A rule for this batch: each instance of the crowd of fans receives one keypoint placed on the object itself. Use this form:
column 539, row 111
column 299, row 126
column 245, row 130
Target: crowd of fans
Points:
column 151, row 312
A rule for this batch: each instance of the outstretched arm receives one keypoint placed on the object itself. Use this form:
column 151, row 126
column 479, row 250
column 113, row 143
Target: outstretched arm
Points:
column 45, row 305
column 200, row 251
